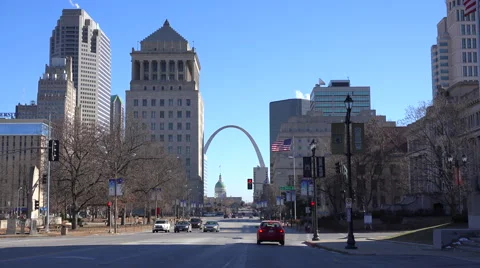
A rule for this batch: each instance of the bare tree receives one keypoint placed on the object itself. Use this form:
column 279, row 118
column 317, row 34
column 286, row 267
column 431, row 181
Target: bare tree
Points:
column 380, row 164
column 78, row 173
column 436, row 136
column 158, row 169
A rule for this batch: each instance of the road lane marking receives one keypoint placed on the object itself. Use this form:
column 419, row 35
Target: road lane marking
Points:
column 52, row 253
column 75, row 257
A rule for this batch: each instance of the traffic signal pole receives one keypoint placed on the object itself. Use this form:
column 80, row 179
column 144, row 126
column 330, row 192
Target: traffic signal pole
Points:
column 47, row 217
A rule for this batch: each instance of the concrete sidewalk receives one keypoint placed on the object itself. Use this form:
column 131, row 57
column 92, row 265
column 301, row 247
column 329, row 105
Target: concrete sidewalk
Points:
column 368, row 246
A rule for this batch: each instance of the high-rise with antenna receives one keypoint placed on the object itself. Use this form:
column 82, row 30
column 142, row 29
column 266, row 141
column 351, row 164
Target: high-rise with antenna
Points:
column 78, row 36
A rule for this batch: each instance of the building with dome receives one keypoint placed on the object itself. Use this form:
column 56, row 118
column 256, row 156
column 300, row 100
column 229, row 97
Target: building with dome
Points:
column 220, row 189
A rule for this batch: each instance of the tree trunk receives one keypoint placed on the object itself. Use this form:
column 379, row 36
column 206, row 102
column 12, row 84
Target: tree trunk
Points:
column 74, row 218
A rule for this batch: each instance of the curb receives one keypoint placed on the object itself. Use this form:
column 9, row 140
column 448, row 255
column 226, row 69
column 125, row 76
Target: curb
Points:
column 344, row 252
column 401, row 243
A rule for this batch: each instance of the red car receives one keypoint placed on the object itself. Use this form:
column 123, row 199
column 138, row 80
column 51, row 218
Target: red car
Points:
column 271, row 231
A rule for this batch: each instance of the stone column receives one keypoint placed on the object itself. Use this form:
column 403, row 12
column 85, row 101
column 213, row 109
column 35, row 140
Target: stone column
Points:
column 133, row 69
column 176, row 70
column 150, row 71
column 141, row 70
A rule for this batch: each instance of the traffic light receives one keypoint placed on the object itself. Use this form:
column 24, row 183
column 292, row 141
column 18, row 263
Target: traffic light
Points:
column 44, row 178
column 249, row 184
column 312, row 203
column 337, row 167
column 37, row 204
column 53, row 150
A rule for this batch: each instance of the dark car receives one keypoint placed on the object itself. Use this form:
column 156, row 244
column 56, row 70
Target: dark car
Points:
column 271, row 231
column 196, row 222
column 183, row 226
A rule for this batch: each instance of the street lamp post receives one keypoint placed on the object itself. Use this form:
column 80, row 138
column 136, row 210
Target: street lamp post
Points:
column 18, row 201
column 294, row 189
column 351, row 238
column 313, row 147
column 457, row 174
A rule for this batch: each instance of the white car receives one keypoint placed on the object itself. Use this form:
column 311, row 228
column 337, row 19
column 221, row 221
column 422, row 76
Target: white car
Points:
column 161, row 226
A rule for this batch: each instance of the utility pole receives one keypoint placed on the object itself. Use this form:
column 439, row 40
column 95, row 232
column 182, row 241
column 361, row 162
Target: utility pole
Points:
column 47, row 217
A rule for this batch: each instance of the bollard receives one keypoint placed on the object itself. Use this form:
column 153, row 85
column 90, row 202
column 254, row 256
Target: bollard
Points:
column 63, row 230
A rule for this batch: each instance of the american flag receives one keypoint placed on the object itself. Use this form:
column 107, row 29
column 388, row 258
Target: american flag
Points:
column 470, row 6
column 282, row 145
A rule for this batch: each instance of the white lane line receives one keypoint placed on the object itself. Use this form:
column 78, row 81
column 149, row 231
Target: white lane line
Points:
column 75, row 257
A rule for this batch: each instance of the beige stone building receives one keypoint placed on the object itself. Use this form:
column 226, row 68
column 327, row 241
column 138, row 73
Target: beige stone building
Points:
column 165, row 97
column 302, row 129
column 56, row 97
column 22, row 161
column 454, row 56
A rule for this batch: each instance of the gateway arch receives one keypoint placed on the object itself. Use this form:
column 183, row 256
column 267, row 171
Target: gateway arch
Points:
column 259, row 155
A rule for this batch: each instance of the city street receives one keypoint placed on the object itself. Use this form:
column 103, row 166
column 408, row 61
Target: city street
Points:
column 234, row 246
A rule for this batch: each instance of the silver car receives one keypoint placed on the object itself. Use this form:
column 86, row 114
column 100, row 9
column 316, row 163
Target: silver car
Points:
column 211, row 226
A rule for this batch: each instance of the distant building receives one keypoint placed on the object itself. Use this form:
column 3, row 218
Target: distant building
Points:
column 56, row 97
column 22, row 161
column 281, row 110
column 165, row 97
column 77, row 35
column 454, row 55
column 26, row 111
column 330, row 100
column 260, row 178
column 220, row 189
column 117, row 114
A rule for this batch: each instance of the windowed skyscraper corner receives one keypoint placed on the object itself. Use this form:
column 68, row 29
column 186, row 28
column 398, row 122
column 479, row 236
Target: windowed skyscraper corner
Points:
column 330, row 100
column 78, row 36
column 454, row 56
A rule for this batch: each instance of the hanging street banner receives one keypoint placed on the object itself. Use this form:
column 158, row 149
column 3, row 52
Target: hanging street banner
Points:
column 338, row 138
column 320, row 167
column 307, row 167
column 310, row 188
column 111, row 187
column 119, row 187
column 358, row 136
column 287, row 188
column 155, row 194
column 304, row 187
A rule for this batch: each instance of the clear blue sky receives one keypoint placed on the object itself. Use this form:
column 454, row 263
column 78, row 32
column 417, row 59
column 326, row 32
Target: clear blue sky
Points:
column 252, row 52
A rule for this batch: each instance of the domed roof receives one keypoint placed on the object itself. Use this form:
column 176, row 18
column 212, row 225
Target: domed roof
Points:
column 220, row 184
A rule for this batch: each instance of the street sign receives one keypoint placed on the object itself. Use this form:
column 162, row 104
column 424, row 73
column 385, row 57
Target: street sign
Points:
column 287, row 188
column 348, row 203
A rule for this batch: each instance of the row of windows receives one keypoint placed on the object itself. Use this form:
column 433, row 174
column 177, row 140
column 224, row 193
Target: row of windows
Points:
column 153, row 126
column 153, row 114
column 469, row 57
column 341, row 98
column 468, row 29
column 161, row 102
column 170, row 138
column 342, row 93
column 469, row 43
column 470, row 71
column 461, row 15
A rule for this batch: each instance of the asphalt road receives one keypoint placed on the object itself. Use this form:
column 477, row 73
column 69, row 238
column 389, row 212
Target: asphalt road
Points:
column 234, row 246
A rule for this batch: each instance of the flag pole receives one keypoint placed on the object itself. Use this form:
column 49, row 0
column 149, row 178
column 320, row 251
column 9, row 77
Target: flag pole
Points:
column 477, row 24
column 294, row 181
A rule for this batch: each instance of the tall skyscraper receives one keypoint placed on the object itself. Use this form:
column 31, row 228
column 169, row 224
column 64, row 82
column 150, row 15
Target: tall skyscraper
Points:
column 330, row 100
column 281, row 110
column 78, row 36
column 117, row 114
column 56, row 95
column 454, row 56
column 165, row 96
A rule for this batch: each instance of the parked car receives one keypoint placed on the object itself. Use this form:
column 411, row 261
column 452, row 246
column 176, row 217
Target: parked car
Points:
column 196, row 222
column 271, row 231
column 211, row 226
column 161, row 226
column 183, row 226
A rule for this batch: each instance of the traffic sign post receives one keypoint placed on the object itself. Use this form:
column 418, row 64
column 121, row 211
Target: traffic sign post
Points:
column 287, row 188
